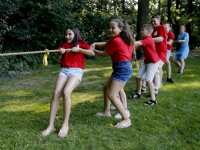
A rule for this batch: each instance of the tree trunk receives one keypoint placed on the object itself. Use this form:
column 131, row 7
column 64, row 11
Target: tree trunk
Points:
column 142, row 18
column 143, row 15
column 123, row 6
column 169, row 5
column 189, row 13
column 159, row 7
column 115, row 7
column 176, row 25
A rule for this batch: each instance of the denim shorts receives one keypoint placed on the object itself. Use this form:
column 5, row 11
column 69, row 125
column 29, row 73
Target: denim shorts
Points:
column 67, row 72
column 122, row 71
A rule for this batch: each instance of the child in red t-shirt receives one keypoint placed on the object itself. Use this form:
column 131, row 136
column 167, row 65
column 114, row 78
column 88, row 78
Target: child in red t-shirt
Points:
column 150, row 65
column 159, row 36
column 170, row 39
column 72, row 64
column 120, row 48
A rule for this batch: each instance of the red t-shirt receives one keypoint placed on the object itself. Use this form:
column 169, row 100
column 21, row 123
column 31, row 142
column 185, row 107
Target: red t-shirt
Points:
column 119, row 50
column 71, row 59
column 170, row 35
column 150, row 54
column 161, row 47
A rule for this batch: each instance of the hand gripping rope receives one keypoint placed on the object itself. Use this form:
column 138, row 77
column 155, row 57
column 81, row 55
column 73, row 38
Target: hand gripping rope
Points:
column 46, row 54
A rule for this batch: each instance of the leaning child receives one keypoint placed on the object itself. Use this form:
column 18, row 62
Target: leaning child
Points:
column 150, row 65
column 72, row 64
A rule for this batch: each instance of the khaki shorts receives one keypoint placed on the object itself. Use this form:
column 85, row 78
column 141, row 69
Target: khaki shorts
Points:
column 148, row 70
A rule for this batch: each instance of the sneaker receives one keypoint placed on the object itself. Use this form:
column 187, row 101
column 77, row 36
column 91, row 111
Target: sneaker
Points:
column 112, row 107
column 179, row 73
column 118, row 116
column 170, row 80
column 142, row 91
column 150, row 96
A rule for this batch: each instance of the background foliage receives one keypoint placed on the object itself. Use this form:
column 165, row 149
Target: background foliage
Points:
column 30, row 25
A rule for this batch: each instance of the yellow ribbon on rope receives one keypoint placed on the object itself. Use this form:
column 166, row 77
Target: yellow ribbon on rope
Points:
column 45, row 62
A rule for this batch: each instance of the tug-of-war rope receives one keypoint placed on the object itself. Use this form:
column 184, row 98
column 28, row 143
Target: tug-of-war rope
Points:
column 46, row 54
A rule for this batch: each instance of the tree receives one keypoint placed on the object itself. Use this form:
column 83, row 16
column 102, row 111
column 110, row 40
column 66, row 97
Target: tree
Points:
column 115, row 7
column 143, row 16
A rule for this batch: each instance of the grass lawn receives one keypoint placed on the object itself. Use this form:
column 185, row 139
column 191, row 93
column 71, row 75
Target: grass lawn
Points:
column 172, row 124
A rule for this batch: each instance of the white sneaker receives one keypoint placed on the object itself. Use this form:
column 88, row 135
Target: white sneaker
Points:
column 118, row 116
column 112, row 107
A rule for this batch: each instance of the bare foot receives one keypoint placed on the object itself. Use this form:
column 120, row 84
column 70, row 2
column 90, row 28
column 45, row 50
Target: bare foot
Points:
column 102, row 114
column 63, row 133
column 47, row 131
column 123, row 124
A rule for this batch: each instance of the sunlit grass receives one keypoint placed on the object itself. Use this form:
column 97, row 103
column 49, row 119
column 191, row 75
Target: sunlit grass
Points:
column 173, row 124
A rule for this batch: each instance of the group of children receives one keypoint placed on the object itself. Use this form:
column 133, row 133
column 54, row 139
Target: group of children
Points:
column 120, row 48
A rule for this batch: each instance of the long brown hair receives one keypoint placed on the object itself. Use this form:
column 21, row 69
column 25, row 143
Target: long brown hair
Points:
column 125, row 34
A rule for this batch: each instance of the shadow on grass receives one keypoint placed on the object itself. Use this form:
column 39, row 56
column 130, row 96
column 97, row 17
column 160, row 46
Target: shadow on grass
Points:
column 173, row 124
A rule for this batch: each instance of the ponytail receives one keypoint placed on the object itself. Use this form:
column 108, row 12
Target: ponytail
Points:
column 125, row 34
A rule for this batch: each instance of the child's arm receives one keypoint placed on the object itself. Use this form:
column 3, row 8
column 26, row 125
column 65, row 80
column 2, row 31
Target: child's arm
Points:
column 158, row 39
column 170, row 42
column 88, row 52
column 182, row 41
column 99, row 44
column 101, row 53
column 59, row 54
column 137, row 44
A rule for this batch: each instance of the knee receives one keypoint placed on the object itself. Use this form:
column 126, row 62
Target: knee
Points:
column 57, row 94
column 111, row 96
column 66, row 94
column 105, row 89
column 168, row 62
column 174, row 59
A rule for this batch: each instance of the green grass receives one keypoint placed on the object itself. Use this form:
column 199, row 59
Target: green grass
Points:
column 172, row 124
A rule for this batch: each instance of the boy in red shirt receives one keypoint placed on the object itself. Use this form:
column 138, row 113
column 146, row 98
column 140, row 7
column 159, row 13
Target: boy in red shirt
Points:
column 159, row 36
column 150, row 65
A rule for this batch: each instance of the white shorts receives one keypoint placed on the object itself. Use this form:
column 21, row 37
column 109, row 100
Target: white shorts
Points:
column 148, row 69
column 168, row 54
column 67, row 72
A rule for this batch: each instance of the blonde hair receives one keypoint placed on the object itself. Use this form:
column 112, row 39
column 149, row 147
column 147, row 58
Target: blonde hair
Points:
column 170, row 25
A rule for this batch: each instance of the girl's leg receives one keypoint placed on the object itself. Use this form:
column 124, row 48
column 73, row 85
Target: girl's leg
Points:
column 168, row 65
column 71, row 84
column 176, row 62
column 123, row 99
column 106, row 87
column 182, row 65
column 114, row 89
column 161, row 72
column 60, row 83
